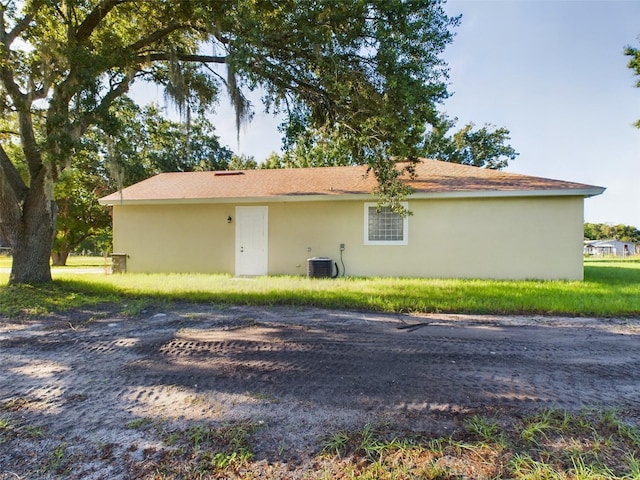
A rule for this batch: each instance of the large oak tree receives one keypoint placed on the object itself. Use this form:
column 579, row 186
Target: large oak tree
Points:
column 369, row 68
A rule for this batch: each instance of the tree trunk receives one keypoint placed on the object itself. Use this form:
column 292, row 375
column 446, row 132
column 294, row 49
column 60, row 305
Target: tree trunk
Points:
column 33, row 238
column 27, row 209
column 59, row 258
column 31, row 259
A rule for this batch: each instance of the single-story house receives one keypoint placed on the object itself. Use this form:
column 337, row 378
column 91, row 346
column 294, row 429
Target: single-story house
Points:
column 465, row 222
column 611, row 247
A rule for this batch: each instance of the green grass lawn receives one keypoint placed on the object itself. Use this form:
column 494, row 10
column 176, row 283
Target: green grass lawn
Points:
column 611, row 289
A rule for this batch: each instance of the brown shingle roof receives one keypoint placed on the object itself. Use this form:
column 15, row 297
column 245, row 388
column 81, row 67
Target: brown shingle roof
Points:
column 433, row 178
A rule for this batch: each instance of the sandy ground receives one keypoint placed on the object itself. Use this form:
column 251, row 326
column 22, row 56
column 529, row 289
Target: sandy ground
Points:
column 298, row 373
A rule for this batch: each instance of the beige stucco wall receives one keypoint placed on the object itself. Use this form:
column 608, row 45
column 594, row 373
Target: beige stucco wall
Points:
column 511, row 238
column 175, row 238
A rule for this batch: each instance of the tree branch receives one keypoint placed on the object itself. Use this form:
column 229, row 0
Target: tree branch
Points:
column 6, row 74
column 158, row 57
column 85, row 121
column 213, row 72
column 155, row 36
column 92, row 20
column 11, row 87
column 12, row 177
column 22, row 25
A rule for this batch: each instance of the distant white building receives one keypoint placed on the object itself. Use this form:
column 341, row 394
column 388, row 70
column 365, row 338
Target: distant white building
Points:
column 616, row 248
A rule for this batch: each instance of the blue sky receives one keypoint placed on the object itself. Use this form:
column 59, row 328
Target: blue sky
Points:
column 554, row 73
column 551, row 71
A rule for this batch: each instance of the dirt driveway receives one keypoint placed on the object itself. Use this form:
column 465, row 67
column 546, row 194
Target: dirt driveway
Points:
column 299, row 373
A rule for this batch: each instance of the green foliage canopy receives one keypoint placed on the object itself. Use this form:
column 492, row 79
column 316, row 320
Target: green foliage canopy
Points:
column 634, row 64
column 485, row 147
column 142, row 142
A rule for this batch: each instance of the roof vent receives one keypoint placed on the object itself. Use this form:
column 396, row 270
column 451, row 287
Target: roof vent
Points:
column 227, row 173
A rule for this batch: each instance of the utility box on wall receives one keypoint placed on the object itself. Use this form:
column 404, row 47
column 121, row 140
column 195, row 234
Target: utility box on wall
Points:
column 118, row 262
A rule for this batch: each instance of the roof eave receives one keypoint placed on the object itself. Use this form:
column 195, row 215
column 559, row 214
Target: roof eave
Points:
column 586, row 191
column 259, row 199
column 580, row 192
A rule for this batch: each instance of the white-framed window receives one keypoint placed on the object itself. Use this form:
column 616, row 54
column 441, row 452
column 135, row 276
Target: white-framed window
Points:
column 382, row 226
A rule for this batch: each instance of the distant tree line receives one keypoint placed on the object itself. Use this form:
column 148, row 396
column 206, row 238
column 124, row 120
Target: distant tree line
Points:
column 603, row 231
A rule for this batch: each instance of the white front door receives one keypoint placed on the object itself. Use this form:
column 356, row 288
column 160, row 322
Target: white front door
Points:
column 252, row 240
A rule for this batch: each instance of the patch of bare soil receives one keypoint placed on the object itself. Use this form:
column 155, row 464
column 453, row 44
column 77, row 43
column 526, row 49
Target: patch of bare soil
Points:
column 93, row 396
